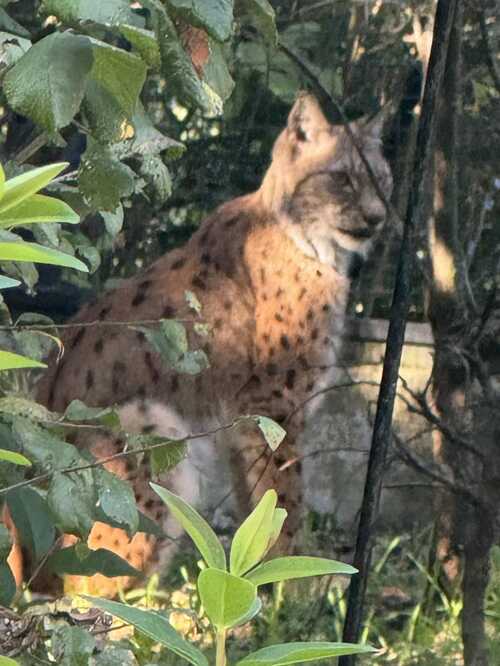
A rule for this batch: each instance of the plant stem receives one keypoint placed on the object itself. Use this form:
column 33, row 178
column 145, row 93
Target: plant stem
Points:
column 220, row 649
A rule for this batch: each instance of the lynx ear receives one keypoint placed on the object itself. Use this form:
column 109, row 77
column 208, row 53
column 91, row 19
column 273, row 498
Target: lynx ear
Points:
column 305, row 118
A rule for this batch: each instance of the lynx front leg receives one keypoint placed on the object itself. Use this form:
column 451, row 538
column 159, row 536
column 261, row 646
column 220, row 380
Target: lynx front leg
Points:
column 255, row 469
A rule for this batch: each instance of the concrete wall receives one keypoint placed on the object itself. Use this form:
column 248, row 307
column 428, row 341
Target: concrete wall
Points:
column 338, row 437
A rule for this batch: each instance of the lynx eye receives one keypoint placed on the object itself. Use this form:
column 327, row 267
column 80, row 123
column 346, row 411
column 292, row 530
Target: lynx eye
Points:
column 342, row 179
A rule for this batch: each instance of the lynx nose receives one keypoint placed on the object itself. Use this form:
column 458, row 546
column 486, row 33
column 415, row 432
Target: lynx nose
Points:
column 374, row 219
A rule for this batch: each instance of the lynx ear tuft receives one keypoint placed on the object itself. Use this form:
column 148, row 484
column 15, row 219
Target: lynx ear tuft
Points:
column 305, row 118
column 373, row 127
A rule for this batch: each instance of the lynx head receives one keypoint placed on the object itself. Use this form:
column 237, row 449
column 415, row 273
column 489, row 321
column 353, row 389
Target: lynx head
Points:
column 319, row 188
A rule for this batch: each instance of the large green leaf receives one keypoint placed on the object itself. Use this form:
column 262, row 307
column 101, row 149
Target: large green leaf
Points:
column 216, row 16
column 104, row 115
column 10, row 361
column 252, row 537
column 121, row 73
column 286, row 568
column 144, row 42
column 197, row 527
column 7, row 661
column 147, row 140
column 7, row 585
column 103, row 179
column 72, row 646
column 154, row 625
column 297, row 653
column 38, row 209
column 31, row 516
column 226, row 599
column 47, row 84
column 176, row 66
column 262, row 16
column 80, row 560
column 73, row 12
column 41, row 255
column 72, row 499
column 116, row 501
column 22, row 187
column 14, row 458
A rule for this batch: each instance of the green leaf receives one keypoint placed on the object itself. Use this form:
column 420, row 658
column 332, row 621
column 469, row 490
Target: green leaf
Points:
column 39, row 208
column 112, row 656
column 170, row 341
column 72, row 499
column 7, row 661
column 73, row 12
column 78, row 411
column 166, row 457
column 252, row 537
column 7, row 282
column 72, row 646
column 144, row 42
column 103, row 179
column 18, row 189
column 41, row 255
column 121, row 73
column 198, row 529
column 80, row 560
column 286, row 568
column 113, row 221
column 116, row 501
column 227, row 599
column 5, row 542
column 216, row 17
column 279, row 517
column 17, row 405
column 12, row 48
column 273, row 433
column 14, row 458
column 254, row 609
column 42, row 447
column 156, row 173
column 7, row 586
column 297, row 653
column 104, row 115
column 154, row 625
column 10, row 361
column 47, row 84
column 216, row 72
column 262, row 16
column 176, row 66
column 31, row 516
column 7, row 23
column 147, row 140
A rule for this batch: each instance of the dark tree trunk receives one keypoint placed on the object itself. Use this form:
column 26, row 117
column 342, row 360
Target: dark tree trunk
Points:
column 461, row 528
column 400, row 305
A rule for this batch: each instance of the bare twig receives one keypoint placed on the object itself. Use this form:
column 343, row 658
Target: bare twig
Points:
column 90, row 324
column 116, row 456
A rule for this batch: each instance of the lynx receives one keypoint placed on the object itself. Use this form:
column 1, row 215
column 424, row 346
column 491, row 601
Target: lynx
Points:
column 272, row 272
